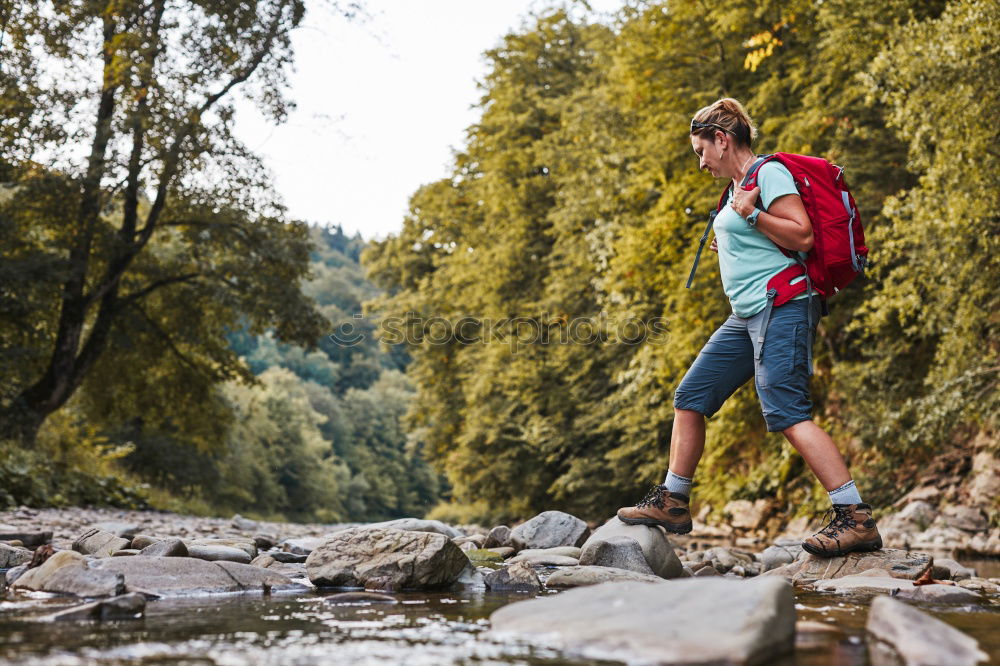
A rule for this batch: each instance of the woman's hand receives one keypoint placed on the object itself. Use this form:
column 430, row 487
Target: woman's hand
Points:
column 714, row 247
column 744, row 201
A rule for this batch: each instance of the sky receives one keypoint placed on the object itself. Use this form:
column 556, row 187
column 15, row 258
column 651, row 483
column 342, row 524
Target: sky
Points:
column 382, row 103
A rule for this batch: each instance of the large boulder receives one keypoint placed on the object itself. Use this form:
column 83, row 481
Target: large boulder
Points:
column 548, row 530
column 419, row 525
column 691, row 621
column 170, row 576
column 67, row 573
column 594, row 575
column 99, row 543
column 387, row 559
column 917, row 638
column 608, row 546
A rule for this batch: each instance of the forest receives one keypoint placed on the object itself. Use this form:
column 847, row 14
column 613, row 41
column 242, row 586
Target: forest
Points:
column 167, row 333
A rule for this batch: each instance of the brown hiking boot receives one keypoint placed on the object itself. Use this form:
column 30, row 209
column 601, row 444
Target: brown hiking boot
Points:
column 659, row 507
column 852, row 529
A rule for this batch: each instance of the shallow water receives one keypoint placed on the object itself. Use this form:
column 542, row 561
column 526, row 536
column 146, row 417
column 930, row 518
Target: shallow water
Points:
column 424, row 629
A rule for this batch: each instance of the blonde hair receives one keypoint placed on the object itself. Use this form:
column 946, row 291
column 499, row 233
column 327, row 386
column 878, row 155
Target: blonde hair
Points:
column 729, row 115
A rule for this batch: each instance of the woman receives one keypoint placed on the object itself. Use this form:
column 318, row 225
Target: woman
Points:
column 746, row 240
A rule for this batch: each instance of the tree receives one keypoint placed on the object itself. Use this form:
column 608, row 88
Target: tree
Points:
column 165, row 230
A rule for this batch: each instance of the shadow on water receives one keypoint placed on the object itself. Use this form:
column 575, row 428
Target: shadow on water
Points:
column 423, row 629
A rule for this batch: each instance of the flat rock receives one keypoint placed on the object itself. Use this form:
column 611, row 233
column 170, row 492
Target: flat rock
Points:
column 548, row 530
column 902, row 589
column 173, row 576
column 919, row 639
column 594, row 575
column 688, row 621
column 566, row 551
column 304, row 545
column 386, row 559
column 899, row 563
column 606, row 548
column 287, row 558
column 67, row 573
column 28, row 539
column 165, row 548
column 419, row 525
column 11, row 556
column 124, row 607
column 99, row 543
column 218, row 554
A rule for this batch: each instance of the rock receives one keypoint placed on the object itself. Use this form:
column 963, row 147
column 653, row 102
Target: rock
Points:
column 919, row 639
column 386, row 559
column 27, row 539
column 986, row 544
column 652, row 542
column 965, row 518
column 263, row 561
column 948, row 569
column 706, row 571
column 119, row 529
column 620, row 552
column 503, row 551
column 125, row 552
column 365, row 598
column 288, row 558
column 475, row 541
column 165, row 548
column 305, row 545
column 979, row 585
column 518, row 577
column 265, row 541
column 746, row 514
column 124, row 607
column 542, row 559
column 918, row 513
column 67, row 572
column 773, row 557
column 722, row 559
column 99, row 543
column 11, row 556
column 985, row 485
column 170, row 576
column 548, row 530
column 498, row 536
column 689, row 622
column 143, row 541
column 594, row 575
column 243, row 524
column 472, row 577
column 565, row 551
column 247, row 547
column 218, row 554
column 14, row 573
column 899, row 564
column 902, row 589
column 482, row 557
column 418, row 525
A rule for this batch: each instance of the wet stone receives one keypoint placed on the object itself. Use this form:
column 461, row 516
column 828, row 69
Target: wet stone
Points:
column 27, row 539
column 165, row 548
column 125, row 607
column 518, row 577
column 11, row 556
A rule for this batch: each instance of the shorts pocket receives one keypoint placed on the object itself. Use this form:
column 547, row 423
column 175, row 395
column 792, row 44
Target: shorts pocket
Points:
column 781, row 355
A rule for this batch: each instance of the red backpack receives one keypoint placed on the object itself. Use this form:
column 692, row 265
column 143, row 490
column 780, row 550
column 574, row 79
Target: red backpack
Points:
column 838, row 254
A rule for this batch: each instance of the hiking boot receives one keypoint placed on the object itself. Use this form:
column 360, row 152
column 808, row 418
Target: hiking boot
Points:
column 852, row 529
column 659, row 507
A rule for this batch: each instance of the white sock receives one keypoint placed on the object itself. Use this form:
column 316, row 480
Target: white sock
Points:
column 677, row 484
column 846, row 494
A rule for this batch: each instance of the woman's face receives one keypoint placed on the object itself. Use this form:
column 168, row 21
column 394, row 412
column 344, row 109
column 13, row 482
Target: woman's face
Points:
column 708, row 151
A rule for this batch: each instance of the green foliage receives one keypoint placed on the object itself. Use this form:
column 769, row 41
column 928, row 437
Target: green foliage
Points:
column 577, row 195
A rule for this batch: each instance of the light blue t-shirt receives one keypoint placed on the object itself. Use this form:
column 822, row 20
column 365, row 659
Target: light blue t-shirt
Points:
column 748, row 258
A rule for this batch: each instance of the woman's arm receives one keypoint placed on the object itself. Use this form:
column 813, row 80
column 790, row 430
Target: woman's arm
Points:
column 785, row 222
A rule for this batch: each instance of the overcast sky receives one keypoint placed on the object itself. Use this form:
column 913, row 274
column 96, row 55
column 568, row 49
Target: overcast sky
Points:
column 381, row 104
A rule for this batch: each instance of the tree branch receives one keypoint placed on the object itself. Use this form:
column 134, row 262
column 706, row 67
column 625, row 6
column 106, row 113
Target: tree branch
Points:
column 153, row 286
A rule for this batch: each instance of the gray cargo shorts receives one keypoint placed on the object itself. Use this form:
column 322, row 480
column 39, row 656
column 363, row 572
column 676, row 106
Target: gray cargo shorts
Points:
column 780, row 370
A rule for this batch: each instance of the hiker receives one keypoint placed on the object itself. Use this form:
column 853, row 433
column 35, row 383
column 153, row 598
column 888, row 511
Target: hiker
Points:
column 763, row 339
